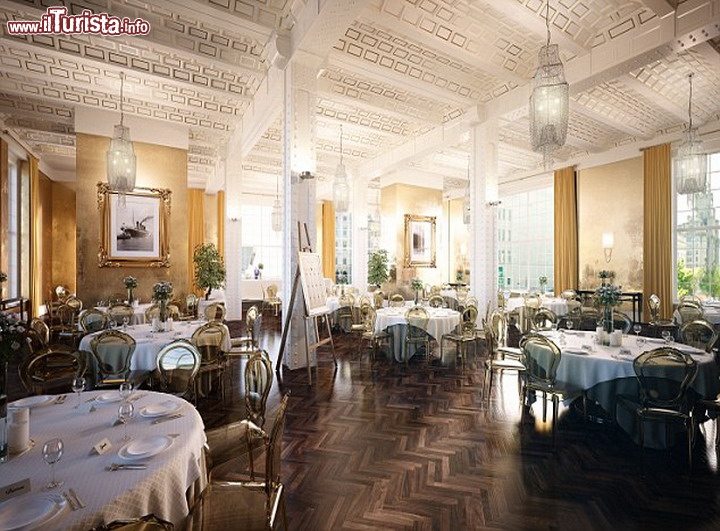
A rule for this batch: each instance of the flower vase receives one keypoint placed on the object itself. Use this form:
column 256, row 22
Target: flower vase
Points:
column 608, row 322
column 3, row 413
column 131, row 296
column 163, row 312
column 417, row 297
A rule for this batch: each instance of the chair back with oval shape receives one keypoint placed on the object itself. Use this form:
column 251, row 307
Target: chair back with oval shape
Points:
column 215, row 312
column 93, row 320
column 112, row 351
column 699, row 334
column 664, row 375
column 51, row 370
column 436, row 301
column 119, row 311
column 178, row 364
column 258, row 382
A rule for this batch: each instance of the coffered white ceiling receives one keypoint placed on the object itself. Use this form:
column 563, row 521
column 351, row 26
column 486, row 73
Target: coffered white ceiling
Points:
column 405, row 78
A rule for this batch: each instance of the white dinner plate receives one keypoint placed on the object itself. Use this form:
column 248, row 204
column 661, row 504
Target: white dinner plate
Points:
column 144, row 447
column 34, row 401
column 28, row 513
column 160, row 410
column 108, row 397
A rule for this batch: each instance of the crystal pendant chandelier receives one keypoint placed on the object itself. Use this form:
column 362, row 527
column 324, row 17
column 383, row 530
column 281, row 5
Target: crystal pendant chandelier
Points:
column 276, row 215
column 121, row 161
column 341, row 188
column 550, row 100
column 690, row 163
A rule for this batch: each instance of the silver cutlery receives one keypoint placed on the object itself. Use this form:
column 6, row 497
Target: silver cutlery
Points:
column 60, row 399
column 126, row 466
column 164, row 419
column 70, row 501
column 78, row 501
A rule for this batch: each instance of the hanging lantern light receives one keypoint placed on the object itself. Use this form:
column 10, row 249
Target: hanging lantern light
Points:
column 690, row 163
column 466, row 201
column 550, row 100
column 121, row 161
column 276, row 216
column 341, row 187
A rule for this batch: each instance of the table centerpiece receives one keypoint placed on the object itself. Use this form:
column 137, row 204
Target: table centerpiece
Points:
column 130, row 284
column 162, row 291
column 11, row 331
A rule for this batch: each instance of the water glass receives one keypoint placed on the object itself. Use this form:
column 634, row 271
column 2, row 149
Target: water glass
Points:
column 78, row 386
column 126, row 389
column 667, row 336
column 52, row 451
column 126, row 411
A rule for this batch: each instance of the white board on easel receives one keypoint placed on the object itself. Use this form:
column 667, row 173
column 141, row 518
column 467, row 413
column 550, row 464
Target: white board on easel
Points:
column 313, row 284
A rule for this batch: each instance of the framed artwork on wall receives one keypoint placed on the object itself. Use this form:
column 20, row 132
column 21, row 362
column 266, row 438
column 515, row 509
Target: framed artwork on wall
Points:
column 419, row 241
column 134, row 227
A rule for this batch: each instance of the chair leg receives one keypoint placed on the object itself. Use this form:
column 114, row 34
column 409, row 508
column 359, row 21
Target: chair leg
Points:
column 544, row 406
column 556, row 405
column 488, row 384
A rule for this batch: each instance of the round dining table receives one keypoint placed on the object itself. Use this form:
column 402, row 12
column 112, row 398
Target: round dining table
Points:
column 148, row 343
column 606, row 372
column 442, row 321
column 159, row 470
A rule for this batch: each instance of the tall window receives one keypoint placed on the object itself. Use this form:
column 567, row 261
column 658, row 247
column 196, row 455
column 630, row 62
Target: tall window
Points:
column 525, row 240
column 261, row 244
column 698, row 237
column 343, row 248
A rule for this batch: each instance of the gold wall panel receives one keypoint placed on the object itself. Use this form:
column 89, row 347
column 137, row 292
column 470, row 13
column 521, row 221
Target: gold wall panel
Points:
column 64, row 263
column 610, row 199
column 157, row 167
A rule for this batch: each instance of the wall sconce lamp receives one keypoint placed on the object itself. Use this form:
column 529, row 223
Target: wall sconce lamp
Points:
column 494, row 203
column 306, row 175
column 608, row 242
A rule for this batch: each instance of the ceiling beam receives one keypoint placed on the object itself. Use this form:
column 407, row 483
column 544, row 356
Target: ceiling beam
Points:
column 667, row 105
column 661, row 8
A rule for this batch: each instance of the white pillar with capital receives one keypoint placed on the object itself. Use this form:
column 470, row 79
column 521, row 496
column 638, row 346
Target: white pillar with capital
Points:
column 359, row 208
column 484, row 204
column 233, row 243
column 299, row 197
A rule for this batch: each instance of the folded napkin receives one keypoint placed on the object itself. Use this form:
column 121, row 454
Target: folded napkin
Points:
column 575, row 350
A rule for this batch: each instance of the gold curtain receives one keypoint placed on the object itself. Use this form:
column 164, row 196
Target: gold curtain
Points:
column 328, row 240
column 657, row 210
column 566, row 230
column 196, row 230
column 36, row 291
column 221, row 223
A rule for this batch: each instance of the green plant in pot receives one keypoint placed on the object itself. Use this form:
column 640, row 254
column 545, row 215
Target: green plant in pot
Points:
column 209, row 268
column 378, row 267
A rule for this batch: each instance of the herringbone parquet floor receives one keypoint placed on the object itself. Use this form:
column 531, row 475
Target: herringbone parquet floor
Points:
column 378, row 445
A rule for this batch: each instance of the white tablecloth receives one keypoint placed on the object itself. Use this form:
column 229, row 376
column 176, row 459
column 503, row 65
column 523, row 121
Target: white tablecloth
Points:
column 556, row 304
column 606, row 373
column 442, row 321
column 124, row 494
column 149, row 344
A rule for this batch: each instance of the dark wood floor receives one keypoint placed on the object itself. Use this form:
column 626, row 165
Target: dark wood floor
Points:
column 377, row 445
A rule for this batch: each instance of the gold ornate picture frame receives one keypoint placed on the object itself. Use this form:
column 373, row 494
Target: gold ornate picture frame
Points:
column 419, row 241
column 134, row 227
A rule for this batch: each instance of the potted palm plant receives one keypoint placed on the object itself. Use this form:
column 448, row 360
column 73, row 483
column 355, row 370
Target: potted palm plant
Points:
column 209, row 268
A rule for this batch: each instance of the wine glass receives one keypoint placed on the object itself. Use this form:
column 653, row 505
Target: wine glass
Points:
column 569, row 324
column 126, row 320
column 126, row 411
column 78, row 386
column 52, row 451
column 126, row 389
column 637, row 328
column 666, row 336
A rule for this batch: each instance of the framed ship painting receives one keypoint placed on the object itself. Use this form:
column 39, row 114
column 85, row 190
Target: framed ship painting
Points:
column 134, row 227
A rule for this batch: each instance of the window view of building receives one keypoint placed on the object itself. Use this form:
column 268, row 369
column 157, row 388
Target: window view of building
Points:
column 698, row 237
column 525, row 240
column 261, row 244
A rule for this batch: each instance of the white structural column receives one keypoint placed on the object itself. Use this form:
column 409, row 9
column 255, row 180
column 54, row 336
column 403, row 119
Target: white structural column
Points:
column 299, row 125
column 483, row 201
column 359, row 208
column 233, row 243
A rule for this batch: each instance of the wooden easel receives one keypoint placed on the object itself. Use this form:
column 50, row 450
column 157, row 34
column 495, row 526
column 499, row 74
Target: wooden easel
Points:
column 309, row 317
